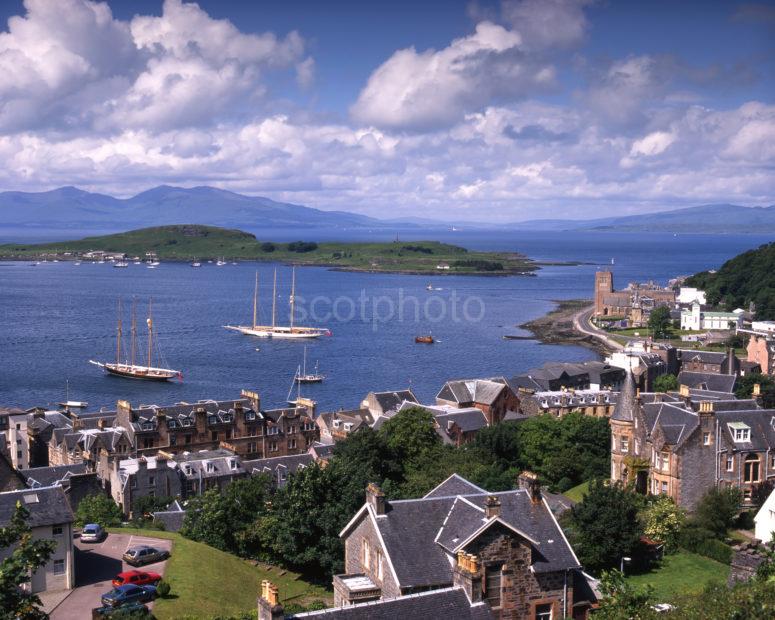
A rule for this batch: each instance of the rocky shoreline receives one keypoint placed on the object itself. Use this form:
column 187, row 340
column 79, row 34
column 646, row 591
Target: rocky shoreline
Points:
column 557, row 327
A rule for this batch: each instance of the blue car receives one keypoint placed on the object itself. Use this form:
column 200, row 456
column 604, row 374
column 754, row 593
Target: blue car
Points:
column 129, row 593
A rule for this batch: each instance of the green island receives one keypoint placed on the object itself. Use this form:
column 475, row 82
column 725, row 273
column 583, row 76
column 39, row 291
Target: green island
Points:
column 190, row 242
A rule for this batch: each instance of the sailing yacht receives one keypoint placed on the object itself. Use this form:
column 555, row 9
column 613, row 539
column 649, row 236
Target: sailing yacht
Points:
column 129, row 369
column 289, row 332
column 305, row 377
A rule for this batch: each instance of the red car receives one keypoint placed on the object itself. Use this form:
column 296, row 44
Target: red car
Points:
column 137, row 578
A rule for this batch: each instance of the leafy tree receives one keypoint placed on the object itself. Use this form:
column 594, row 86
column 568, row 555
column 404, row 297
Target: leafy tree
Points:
column 606, row 525
column 717, row 510
column 659, row 321
column 99, row 509
column 621, row 600
column 663, row 520
column 666, row 383
column 501, row 443
column 766, row 383
column 147, row 505
column 28, row 555
column 410, row 434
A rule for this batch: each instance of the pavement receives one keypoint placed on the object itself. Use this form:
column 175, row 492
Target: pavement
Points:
column 95, row 567
column 582, row 324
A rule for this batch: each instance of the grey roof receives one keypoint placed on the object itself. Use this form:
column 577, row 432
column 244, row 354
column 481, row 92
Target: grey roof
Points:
column 444, row 604
column 626, row 402
column 760, row 421
column 454, row 485
column 48, row 476
column 706, row 357
column 322, row 451
column 676, row 422
column 46, row 505
column 468, row 420
column 172, row 518
column 707, row 381
column 209, row 464
column 279, row 467
column 388, row 401
column 419, row 534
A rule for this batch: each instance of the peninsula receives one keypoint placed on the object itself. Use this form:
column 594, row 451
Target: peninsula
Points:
column 196, row 242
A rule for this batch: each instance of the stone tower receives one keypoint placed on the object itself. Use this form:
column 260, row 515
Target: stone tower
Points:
column 604, row 285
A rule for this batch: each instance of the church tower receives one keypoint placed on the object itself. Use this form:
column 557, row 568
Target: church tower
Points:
column 604, row 285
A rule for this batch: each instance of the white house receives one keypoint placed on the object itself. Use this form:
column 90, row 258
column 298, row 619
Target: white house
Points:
column 50, row 519
column 765, row 519
column 697, row 319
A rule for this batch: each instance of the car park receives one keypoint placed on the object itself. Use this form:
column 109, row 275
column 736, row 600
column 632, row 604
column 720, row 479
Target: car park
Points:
column 136, row 577
column 143, row 554
column 129, row 593
column 93, row 532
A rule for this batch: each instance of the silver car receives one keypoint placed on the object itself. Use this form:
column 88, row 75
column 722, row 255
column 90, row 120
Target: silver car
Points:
column 92, row 532
column 143, row 554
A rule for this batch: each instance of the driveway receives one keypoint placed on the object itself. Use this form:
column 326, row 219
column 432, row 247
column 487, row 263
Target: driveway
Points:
column 95, row 567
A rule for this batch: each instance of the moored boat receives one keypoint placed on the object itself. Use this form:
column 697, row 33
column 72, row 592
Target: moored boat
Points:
column 424, row 339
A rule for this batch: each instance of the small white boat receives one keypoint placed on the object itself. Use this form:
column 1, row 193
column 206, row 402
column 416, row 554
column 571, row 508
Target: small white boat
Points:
column 120, row 265
column 74, row 404
column 429, row 287
column 220, row 263
column 196, row 264
column 76, row 263
column 151, row 266
column 137, row 262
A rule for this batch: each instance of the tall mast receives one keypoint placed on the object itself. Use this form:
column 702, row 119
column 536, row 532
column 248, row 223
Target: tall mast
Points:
column 274, row 296
column 305, row 360
column 118, row 335
column 293, row 292
column 134, row 332
column 149, row 322
column 255, row 301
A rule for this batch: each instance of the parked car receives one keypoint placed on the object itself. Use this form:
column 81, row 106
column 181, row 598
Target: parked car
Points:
column 138, row 556
column 92, row 532
column 129, row 593
column 136, row 577
column 137, row 609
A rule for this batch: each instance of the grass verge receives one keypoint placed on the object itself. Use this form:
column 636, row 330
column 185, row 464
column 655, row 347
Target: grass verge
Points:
column 578, row 492
column 207, row 582
column 681, row 573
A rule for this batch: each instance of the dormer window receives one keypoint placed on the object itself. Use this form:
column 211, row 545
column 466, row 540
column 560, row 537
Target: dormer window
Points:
column 272, row 430
column 172, row 424
column 226, row 417
column 741, row 432
column 186, row 422
column 348, row 426
column 250, row 415
column 147, row 426
column 336, row 423
column 233, row 464
column 210, row 467
column 212, row 419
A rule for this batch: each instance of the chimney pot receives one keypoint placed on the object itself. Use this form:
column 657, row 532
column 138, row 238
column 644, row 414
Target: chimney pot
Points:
column 376, row 499
column 529, row 482
column 492, row 507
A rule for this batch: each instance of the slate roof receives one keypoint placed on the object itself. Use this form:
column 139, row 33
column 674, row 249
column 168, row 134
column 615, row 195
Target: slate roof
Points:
column 677, row 423
column 706, row 357
column 46, row 505
column 468, row 419
column 48, row 476
column 172, row 518
column 390, row 401
column 454, row 485
column 420, row 535
column 279, row 467
column 481, row 391
column 576, row 398
column 209, row 464
column 626, row 401
column 444, row 604
column 760, row 421
column 707, row 381
column 322, row 451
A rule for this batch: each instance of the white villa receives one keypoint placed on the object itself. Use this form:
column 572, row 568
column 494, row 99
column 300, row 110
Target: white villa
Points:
column 697, row 319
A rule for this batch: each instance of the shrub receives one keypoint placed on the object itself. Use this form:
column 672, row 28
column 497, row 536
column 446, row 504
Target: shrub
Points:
column 703, row 542
column 564, row 484
column 163, row 588
column 718, row 510
column 302, row 246
column 663, row 520
column 268, row 247
column 478, row 265
column 99, row 509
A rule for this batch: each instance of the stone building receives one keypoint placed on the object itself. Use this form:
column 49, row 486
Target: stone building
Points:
column 556, row 376
column 50, row 518
column 337, row 425
column 761, row 348
column 386, row 403
column 594, row 403
column 505, row 550
column 718, row 362
column 683, row 444
column 494, row 397
column 633, row 304
column 145, row 476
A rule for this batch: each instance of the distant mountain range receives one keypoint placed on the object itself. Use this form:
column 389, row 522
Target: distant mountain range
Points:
column 718, row 218
column 72, row 209
column 68, row 211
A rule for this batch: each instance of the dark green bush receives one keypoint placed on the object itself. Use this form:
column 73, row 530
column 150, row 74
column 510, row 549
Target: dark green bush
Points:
column 163, row 588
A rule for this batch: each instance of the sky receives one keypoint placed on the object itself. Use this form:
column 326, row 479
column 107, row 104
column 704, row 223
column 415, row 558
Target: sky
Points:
column 491, row 111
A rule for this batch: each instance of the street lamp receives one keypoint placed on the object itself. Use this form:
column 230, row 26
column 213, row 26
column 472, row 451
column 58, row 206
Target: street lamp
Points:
column 624, row 559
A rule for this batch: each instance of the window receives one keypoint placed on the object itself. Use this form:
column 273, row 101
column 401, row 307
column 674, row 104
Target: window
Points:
column 664, row 488
column 492, row 585
column 210, row 467
column 18, row 442
column 366, row 551
column 706, row 439
column 637, row 447
column 56, row 530
column 625, row 445
column 212, row 419
column 147, row 426
column 173, row 439
column 740, row 431
column 544, row 611
column 250, row 415
column 272, row 430
column 214, row 435
column 148, row 442
column 59, row 567
column 227, row 417
column 730, row 463
column 379, row 565
column 751, row 471
column 185, row 422
column 291, row 444
column 172, row 424
column 151, row 481
column 252, row 447
column 272, row 446
column 613, row 442
column 188, row 439
column 133, row 485
column 665, row 461
column 152, row 493
column 18, row 454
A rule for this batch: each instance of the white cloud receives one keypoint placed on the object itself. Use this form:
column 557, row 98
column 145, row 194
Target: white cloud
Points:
column 421, row 90
column 547, row 23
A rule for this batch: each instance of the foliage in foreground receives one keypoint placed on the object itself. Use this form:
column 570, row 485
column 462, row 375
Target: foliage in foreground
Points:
column 28, row 556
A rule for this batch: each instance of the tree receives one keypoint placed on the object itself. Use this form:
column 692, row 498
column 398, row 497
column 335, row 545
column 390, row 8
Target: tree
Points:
column 766, row 384
column 717, row 510
column 606, row 525
column 659, row 321
column 666, row 383
column 621, row 600
column 28, row 555
column 501, row 443
column 410, row 434
column 99, row 509
column 663, row 520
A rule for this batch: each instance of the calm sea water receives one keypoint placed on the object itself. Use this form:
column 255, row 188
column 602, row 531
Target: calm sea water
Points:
column 57, row 316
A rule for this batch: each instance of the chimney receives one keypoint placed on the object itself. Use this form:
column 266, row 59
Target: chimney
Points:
column 142, row 463
column 467, row 576
column 684, row 391
column 254, row 398
column 492, row 507
column 706, row 406
column 376, row 499
column 529, row 482
column 269, row 607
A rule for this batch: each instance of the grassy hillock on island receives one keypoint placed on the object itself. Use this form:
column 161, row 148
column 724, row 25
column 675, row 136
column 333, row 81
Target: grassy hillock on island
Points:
column 748, row 277
column 188, row 242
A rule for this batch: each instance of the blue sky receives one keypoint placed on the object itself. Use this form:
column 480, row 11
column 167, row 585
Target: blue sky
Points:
column 491, row 110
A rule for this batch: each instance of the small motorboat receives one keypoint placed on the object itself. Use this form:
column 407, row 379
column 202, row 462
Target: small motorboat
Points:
column 74, row 404
column 429, row 287
column 196, row 264
column 121, row 265
column 424, row 339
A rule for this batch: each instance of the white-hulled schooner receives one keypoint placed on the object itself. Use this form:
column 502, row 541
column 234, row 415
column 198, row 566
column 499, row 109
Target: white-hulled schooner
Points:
column 128, row 368
column 291, row 331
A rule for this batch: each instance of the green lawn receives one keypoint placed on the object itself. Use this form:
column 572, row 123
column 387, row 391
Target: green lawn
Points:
column 578, row 492
column 681, row 573
column 207, row 582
